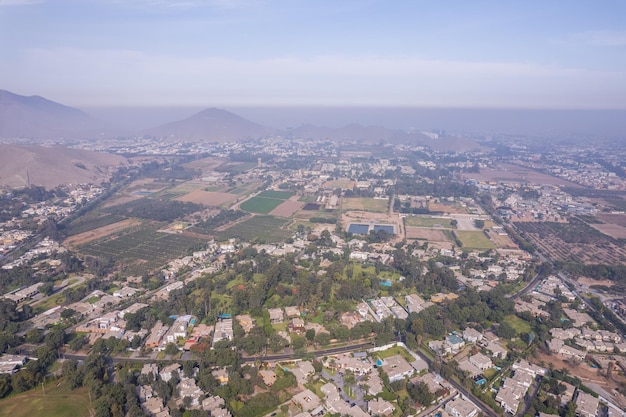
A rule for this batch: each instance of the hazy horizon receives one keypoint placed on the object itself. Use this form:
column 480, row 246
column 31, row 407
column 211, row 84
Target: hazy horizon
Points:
column 534, row 122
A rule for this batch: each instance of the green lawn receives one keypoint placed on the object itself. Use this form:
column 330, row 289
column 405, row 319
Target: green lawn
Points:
column 423, row 221
column 520, row 326
column 57, row 402
column 260, row 204
column 475, row 240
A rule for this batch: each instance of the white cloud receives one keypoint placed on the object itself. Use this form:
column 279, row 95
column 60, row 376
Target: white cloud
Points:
column 126, row 77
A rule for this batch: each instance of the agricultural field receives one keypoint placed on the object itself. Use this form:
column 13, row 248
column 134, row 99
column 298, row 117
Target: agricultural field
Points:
column 208, row 198
column 91, row 221
column 474, row 240
column 287, row 208
column 261, row 205
column 365, row 204
column 155, row 209
column 280, row 195
column 427, row 221
column 58, row 401
column 266, row 228
column 235, row 167
column 143, row 250
column 574, row 242
column 100, row 232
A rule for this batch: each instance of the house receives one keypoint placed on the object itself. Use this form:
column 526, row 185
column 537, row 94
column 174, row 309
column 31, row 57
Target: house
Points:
column 586, row 404
column 292, row 312
column 156, row 336
column 276, row 315
column 306, row 400
column 380, row 407
column 397, row 368
column 125, row 292
column 330, row 392
column 461, row 408
column 187, row 388
column 472, row 335
column 223, row 331
column 150, row 369
column 268, row 376
column 297, row 325
column 497, row 351
column 481, row 361
column 245, row 321
column 167, row 372
column 221, row 374
column 454, row 342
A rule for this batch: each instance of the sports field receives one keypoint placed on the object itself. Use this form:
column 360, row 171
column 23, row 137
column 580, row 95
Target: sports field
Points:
column 427, row 221
column 373, row 205
column 57, row 402
column 474, row 240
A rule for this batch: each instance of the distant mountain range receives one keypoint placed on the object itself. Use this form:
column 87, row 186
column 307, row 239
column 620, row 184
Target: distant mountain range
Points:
column 38, row 118
column 35, row 117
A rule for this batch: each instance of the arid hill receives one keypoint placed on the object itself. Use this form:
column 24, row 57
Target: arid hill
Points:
column 35, row 117
column 52, row 166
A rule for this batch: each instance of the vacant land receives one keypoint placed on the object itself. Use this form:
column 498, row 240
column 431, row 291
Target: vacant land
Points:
column 619, row 219
column 516, row 173
column 58, row 402
column 520, row 326
column 431, row 235
column 100, row 232
column 365, row 204
column 260, row 204
column 287, row 209
column 266, row 228
column 427, row 221
column 344, row 184
column 452, row 208
column 91, row 221
column 474, row 240
column 208, row 198
column 614, row 230
column 502, row 241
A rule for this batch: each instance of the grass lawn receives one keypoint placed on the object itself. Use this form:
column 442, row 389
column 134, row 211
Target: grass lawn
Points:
column 58, row 402
column 520, row 326
column 475, row 240
column 365, row 204
column 489, row 373
column 260, row 204
column 423, row 221
column 396, row 350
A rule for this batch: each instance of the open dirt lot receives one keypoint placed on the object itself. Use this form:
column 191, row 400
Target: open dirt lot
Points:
column 502, row 242
column 422, row 233
column 100, row 232
column 590, row 281
column 516, row 173
column 445, row 208
column 619, row 219
column 614, row 230
column 208, row 198
column 287, row 209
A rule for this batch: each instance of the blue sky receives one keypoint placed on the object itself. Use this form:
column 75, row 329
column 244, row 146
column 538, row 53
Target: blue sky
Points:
column 522, row 54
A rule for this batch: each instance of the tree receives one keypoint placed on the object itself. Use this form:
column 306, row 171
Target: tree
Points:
column 322, row 338
column 171, row 349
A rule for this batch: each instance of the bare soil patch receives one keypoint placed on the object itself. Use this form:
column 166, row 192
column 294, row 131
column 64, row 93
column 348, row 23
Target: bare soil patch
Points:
column 516, row 173
column 100, row 232
column 619, row 219
column 614, row 230
column 502, row 242
column 590, row 281
column 287, row 209
column 422, row 233
column 208, row 198
column 445, row 208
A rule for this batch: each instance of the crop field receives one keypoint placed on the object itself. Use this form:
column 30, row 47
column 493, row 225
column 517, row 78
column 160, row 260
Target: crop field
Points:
column 287, row 208
column 474, row 240
column 426, row 221
column 365, row 204
column 280, row 195
column 235, row 167
column 143, row 250
column 260, row 204
column 574, row 242
column 100, row 232
column 91, row 221
column 267, row 228
column 59, row 401
column 208, row 198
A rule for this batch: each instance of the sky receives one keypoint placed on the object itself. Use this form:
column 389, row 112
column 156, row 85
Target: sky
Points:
column 296, row 53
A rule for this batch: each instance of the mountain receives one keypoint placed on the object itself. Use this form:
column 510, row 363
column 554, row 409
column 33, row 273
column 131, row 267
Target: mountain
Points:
column 211, row 125
column 35, row 117
column 52, row 166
